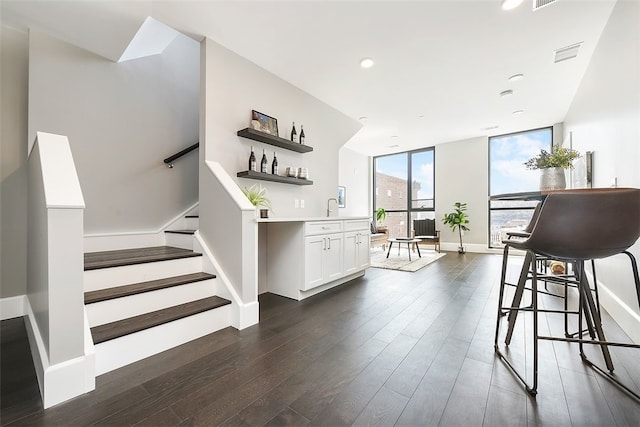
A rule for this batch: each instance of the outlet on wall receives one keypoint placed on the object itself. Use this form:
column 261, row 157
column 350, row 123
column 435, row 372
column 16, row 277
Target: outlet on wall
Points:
column 296, row 203
column 302, row 203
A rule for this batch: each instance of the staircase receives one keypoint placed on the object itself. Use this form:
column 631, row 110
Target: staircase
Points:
column 143, row 301
column 182, row 237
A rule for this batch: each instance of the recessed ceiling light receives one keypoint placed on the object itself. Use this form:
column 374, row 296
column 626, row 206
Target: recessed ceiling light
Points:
column 392, row 146
column 363, row 118
column 366, row 63
column 504, row 93
column 394, row 136
column 491, row 127
column 517, row 112
column 510, row 4
column 421, row 116
column 516, row 77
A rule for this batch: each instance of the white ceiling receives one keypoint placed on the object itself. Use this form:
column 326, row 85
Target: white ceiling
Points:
column 439, row 65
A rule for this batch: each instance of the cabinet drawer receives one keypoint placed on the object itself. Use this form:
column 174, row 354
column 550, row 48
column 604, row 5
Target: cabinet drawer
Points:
column 322, row 227
column 360, row 224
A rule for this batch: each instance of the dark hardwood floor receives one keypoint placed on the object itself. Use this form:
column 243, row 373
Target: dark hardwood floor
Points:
column 391, row 348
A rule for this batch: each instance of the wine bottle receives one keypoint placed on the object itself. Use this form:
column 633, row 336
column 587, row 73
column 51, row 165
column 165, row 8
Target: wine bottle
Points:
column 294, row 134
column 263, row 163
column 274, row 164
column 301, row 134
column 252, row 161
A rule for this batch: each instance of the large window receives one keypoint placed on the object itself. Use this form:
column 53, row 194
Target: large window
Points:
column 507, row 174
column 404, row 186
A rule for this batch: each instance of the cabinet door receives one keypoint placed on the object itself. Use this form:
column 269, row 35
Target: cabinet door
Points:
column 314, row 251
column 332, row 263
column 351, row 256
column 364, row 243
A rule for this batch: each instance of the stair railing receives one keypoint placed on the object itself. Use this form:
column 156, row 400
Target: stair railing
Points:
column 169, row 160
column 56, row 321
column 229, row 230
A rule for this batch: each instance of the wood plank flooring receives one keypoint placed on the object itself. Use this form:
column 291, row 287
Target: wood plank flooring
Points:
column 391, row 348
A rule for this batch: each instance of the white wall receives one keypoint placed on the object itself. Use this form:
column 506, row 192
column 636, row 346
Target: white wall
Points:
column 234, row 87
column 355, row 175
column 604, row 117
column 122, row 120
column 14, row 63
column 461, row 176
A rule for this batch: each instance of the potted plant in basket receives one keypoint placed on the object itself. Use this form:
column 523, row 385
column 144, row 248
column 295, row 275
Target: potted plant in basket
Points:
column 459, row 220
column 552, row 166
column 381, row 215
column 257, row 195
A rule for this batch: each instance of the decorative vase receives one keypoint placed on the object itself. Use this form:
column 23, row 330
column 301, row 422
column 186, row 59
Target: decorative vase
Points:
column 552, row 179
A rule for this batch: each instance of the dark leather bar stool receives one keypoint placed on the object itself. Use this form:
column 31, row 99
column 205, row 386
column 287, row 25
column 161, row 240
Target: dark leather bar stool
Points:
column 575, row 226
column 566, row 280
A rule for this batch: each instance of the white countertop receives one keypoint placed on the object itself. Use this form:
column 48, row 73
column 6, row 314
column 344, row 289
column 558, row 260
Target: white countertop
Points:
column 314, row 218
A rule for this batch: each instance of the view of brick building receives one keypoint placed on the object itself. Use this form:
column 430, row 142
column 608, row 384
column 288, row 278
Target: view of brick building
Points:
column 391, row 194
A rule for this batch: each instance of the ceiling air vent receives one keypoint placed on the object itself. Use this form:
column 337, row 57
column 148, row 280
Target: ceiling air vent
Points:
column 568, row 52
column 537, row 4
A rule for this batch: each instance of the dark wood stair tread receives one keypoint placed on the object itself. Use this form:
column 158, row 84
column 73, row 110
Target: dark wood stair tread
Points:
column 118, row 258
column 138, row 288
column 128, row 326
column 180, row 231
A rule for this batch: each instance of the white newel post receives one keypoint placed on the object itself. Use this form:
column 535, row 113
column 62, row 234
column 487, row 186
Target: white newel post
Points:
column 56, row 324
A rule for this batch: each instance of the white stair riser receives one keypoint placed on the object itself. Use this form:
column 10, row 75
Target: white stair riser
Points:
column 192, row 223
column 103, row 312
column 184, row 241
column 117, row 276
column 122, row 351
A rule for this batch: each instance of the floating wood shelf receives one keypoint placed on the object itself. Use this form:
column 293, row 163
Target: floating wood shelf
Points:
column 273, row 140
column 274, row 178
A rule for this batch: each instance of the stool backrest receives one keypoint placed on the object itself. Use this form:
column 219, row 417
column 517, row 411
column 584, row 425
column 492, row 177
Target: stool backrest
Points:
column 587, row 224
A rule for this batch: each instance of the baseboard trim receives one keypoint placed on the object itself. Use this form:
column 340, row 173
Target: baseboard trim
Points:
column 12, row 307
column 243, row 315
column 621, row 313
column 133, row 239
column 62, row 381
column 469, row 247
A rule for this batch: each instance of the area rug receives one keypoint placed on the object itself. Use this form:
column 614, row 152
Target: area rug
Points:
column 401, row 262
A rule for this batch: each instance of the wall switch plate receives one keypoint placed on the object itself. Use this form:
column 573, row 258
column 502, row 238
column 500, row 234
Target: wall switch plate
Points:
column 296, row 204
column 302, row 203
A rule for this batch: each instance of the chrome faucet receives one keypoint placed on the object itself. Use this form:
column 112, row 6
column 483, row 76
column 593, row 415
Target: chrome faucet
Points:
column 329, row 210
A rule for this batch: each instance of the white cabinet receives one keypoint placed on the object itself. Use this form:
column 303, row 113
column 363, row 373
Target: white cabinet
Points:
column 356, row 251
column 307, row 257
column 322, row 259
column 364, row 245
column 356, row 246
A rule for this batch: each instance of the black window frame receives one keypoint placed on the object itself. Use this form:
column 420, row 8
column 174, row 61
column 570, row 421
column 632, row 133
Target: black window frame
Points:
column 409, row 202
column 489, row 208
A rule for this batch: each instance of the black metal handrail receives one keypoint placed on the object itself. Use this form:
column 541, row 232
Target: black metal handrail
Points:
column 169, row 160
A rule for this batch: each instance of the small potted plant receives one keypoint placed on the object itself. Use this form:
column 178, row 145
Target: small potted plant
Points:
column 552, row 166
column 459, row 220
column 381, row 215
column 257, row 195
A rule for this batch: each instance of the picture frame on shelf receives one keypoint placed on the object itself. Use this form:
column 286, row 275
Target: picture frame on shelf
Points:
column 263, row 123
column 342, row 197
